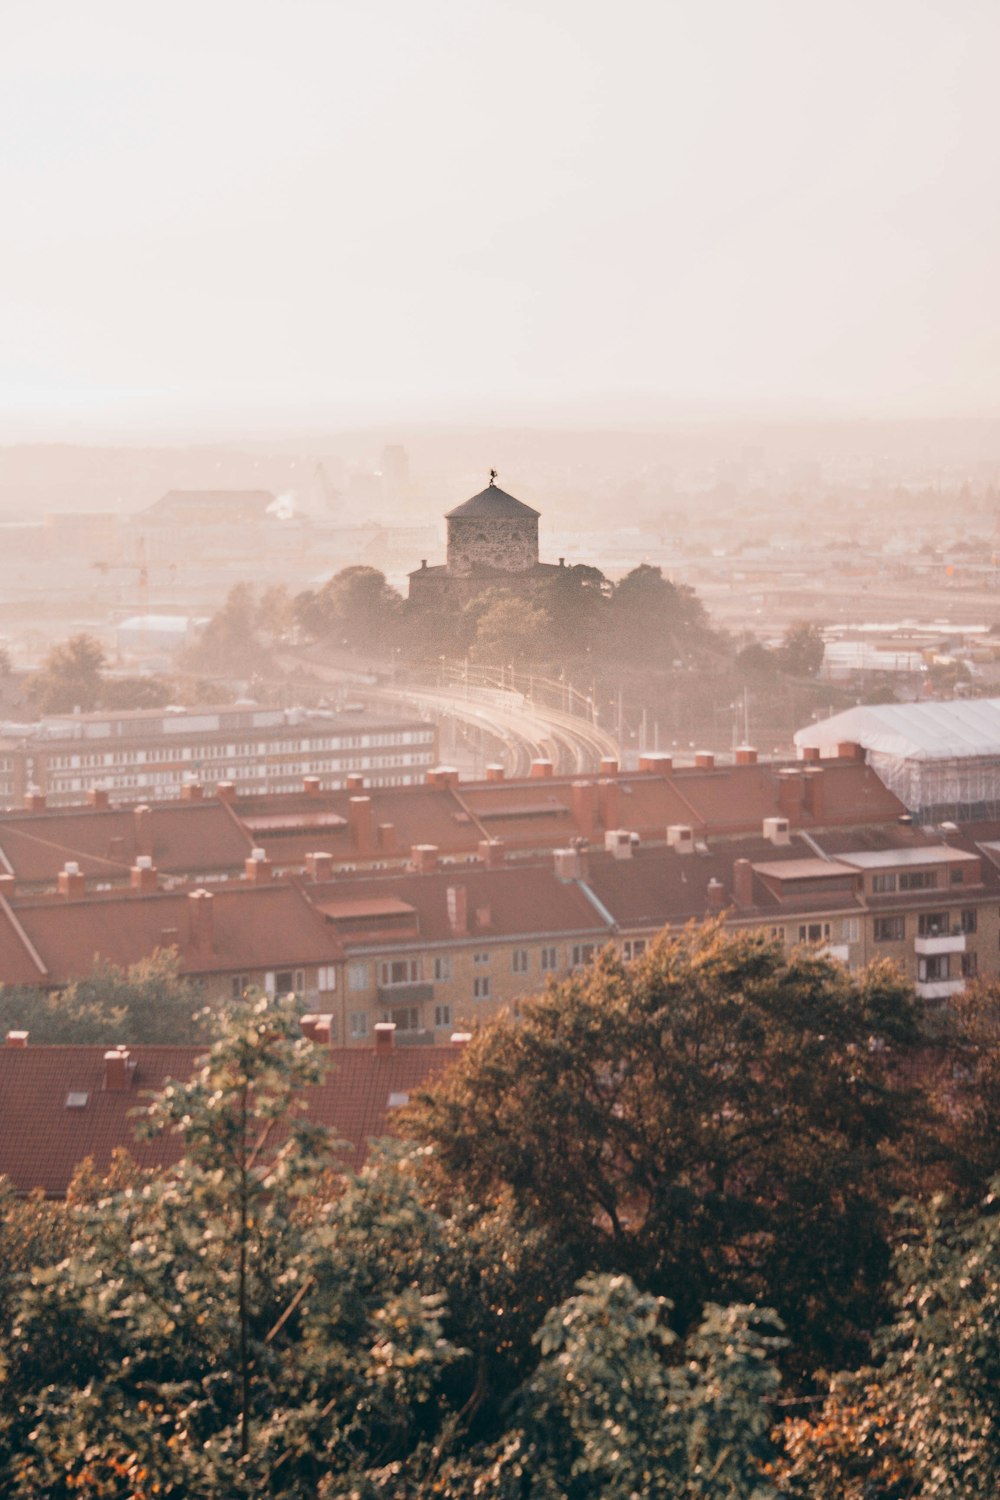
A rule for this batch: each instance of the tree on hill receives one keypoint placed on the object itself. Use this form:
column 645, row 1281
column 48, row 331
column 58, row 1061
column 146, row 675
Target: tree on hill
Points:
column 801, row 650
column 356, row 608
column 70, row 676
column 510, row 630
column 230, row 644
column 716, row 1120
column 654, row 621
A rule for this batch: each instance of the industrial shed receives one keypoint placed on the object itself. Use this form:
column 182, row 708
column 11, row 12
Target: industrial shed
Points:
column 942, row 760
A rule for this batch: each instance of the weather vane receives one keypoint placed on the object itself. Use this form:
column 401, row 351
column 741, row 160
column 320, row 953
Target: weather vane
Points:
column 493, row 475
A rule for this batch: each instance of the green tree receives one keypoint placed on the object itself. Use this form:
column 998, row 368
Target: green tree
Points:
column 356, row 608
column 653, row 620
column 510, row 630
column 230, row 644
column 714, row 1120
column 70, row 676
column 149, row 1002
column 136, row 692
column 801, row 649
column 207, row 1336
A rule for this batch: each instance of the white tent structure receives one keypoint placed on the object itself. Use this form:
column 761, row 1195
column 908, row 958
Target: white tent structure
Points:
column 942, row 760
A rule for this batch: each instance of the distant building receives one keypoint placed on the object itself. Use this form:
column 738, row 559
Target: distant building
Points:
column 208, row 507
column 150, row 754
column 492, row 542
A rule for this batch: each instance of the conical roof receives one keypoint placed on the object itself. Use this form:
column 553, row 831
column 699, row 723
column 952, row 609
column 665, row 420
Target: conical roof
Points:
column 492, row 504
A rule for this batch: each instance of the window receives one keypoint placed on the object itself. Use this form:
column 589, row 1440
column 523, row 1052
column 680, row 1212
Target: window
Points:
column 403, row 1017
column 583, row 953
column 442, row 966
column 890, row 929
column 285, row 980
column 240, row 984
column 442, row 1015
column 482, row 958
column 814, row 932
column 357, row 976
column 519, row 960
column 399, row 971
column 883, row 883
column 970, row 965
column 633, row 948
column 358, row 1023
column 481, row 987
column 933, row 924
column 549, row 960
column 918, row 880
column 968, row 919
column 778, row 934
column 957, row 874
column 932, row 968
column 849, row 930
column 326, row 977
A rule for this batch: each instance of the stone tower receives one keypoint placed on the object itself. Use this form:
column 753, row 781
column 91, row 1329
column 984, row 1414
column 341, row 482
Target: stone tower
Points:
column 492, row 530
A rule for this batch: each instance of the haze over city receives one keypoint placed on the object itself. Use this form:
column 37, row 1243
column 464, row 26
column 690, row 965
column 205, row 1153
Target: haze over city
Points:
column 240, row 218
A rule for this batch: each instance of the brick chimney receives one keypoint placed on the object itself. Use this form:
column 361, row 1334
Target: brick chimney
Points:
column 98, row 797
column 570, row 864
column 17, row 1039
column 192, row 791
column 118, row 1070
column 742, row 882
column 583, row 798
column 811, row 752
column 790, row 787
column 716, row 894
column 541, row 768
column 319, row 866
column 608, row 799
column 385, row 836
column 704, row 760
column 494, row 771
column 385, row 1037
column 609, row 766
column 258, row 867
column 655, row 762
column 71, row 881
column 318, row 1028
column 442, row 776
column 424, row 858
column 311, row 786
column 201, row 921
column 813, row 788
column 142, row 822
column 492, row 852
column 355, row 783
column 361, row 817
column 746, row 755
column 34, row 799
column 851, row 751
column 458, row 910
column 142, row 876
column 225, row 791
column 8, row 883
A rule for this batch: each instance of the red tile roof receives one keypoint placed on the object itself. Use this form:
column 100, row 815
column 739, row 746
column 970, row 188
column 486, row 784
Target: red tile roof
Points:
column 43, row 1140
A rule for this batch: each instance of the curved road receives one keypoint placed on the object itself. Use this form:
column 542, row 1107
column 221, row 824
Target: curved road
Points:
column 527, row 731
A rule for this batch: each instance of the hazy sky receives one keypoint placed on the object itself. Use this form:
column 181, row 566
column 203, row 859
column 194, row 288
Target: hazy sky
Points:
column 348, row 209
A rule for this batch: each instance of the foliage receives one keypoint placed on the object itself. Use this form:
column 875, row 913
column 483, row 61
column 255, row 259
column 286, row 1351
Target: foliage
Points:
column 801, row 650
column 714, row 1120
column 70, row 676
column 510, row 630
column 230, row 644
column 136, row 692
column 356, row 609
column 207, row 1337
column 654, row 621
column 149, row 1002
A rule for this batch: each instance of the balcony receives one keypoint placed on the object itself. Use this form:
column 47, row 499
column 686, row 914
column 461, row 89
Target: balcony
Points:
column 840, row 952
column 939, row 989
column 405, row 994
column 945, row 942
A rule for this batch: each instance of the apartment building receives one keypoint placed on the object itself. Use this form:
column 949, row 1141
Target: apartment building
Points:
column 152, row 754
